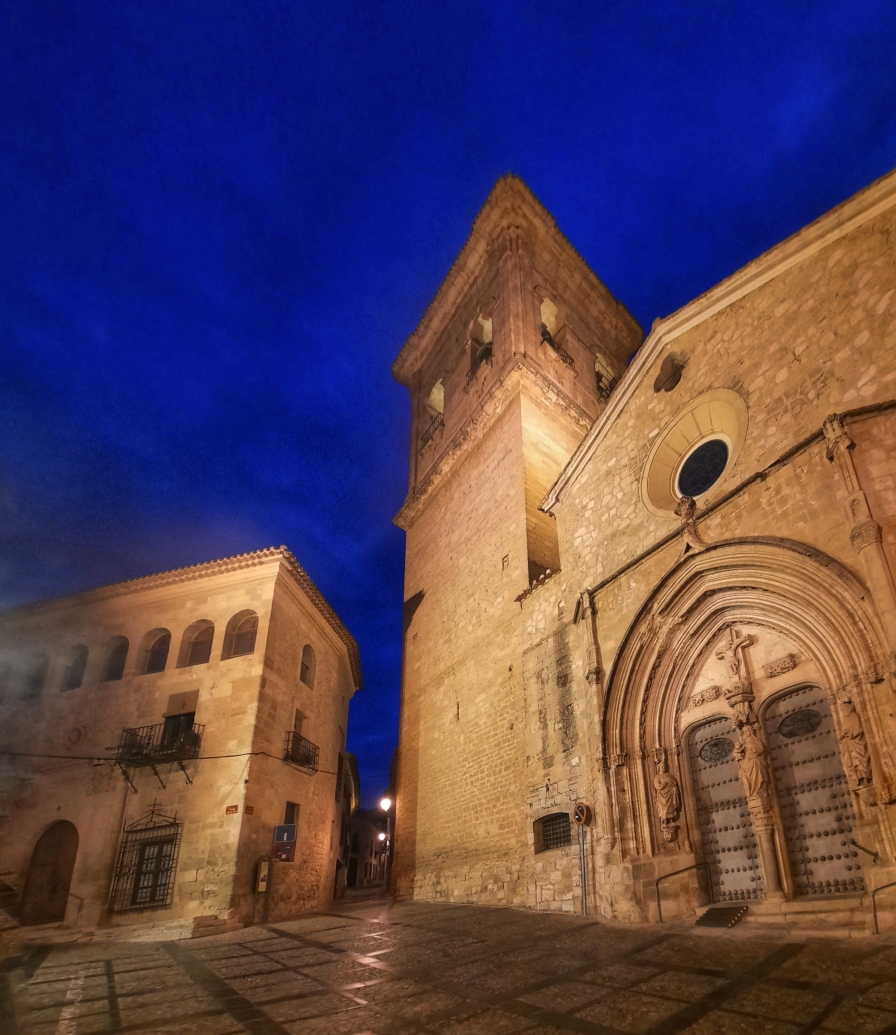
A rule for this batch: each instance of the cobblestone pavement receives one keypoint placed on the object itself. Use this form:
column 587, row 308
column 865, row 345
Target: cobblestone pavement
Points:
column 373, row 968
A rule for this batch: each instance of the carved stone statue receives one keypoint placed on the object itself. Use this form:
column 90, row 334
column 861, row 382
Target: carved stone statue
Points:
column 668, row 801
column 691, row 538
column 854, row 746
column 730, row 653
column 752, row 764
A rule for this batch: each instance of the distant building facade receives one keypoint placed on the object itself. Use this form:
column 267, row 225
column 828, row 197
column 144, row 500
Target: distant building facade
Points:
column 369, row 847
column 163, row 737
column 655, row 577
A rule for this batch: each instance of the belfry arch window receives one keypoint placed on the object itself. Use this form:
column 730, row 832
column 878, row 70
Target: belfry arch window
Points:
column 116, row 656
column 155, row 651
column 196, row 646
column 240, row 635
column 308, row 666
column 551, row 325
column 435, row 410
column 73, row 676
column 481, row 344
column 604, row 377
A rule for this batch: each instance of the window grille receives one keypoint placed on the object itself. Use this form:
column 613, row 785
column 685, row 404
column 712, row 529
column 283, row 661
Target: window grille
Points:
column 147, row 863
column 301, row 752
column 555, row 831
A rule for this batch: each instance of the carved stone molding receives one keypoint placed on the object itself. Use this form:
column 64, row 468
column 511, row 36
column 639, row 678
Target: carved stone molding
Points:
column 705, row 696
column 864, row 535
column 780, row 665
column 619, row 759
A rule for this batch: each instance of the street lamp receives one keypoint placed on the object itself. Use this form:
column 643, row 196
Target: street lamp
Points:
column 381, row 837
column 385, row 805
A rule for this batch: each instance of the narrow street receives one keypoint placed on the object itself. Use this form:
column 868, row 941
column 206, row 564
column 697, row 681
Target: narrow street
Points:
column 374, row 967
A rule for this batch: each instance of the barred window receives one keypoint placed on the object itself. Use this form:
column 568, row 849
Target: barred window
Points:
column 147, row 862
column 552, row 832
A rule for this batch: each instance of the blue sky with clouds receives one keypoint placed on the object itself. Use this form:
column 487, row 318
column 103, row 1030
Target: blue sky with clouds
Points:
column 220, row 221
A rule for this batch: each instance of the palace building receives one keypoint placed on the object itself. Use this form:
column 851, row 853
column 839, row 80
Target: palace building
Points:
column 172, row 752
column 654, row 577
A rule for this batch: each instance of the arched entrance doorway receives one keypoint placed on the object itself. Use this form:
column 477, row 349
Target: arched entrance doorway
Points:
column 50, row 874
column 815, row 805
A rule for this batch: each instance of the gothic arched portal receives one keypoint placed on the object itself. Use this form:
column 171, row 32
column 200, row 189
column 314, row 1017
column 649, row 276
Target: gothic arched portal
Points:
column 714, row 647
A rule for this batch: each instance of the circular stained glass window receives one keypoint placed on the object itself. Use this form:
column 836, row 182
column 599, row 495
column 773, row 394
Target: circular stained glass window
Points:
column 800, row 724
column 703, row 468
column 716, row 750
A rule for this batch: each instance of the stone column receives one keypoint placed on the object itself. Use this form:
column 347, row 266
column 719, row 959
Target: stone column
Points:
column 764, row 824
column 865, row 534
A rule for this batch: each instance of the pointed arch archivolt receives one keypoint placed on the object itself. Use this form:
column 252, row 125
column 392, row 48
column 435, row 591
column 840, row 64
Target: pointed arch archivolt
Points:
column 789, row 588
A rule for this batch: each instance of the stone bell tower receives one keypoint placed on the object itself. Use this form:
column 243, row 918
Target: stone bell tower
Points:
column 509, row 367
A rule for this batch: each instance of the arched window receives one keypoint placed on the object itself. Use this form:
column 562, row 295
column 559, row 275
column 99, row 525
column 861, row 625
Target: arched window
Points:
column 306, row 673
column 196, row 646
column 34, row 675
column 155, row 650
column 481, row 345
column 239, row 637
column 116, row 656
column 73, row 676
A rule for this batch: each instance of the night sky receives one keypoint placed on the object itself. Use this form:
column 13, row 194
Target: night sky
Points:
column 220, row 222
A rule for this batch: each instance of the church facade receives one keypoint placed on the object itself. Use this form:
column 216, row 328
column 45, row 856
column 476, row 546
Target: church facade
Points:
column 654, row 577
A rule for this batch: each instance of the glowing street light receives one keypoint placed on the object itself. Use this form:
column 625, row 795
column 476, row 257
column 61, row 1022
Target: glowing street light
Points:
column 382, row 837
column 385, row 804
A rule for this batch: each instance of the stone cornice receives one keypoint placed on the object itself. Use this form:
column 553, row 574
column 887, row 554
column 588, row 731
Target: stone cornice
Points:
column 510, row 203
column 279, row 555
column 505, row 388
column 839, row 221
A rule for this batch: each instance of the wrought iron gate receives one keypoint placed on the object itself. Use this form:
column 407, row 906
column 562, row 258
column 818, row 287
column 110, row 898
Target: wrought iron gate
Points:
column 726, row 831
column 814, row 798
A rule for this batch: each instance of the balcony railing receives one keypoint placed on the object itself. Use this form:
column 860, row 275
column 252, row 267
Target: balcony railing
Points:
column 301, row 752
column 548, row 339
column 437, row 422
column 149, row 745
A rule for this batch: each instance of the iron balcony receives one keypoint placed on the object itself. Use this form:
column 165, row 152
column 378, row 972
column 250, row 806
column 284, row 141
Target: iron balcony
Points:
column 301, row 752
column 148, row 745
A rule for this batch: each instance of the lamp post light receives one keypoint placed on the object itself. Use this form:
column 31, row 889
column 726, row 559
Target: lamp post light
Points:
column 386, row 805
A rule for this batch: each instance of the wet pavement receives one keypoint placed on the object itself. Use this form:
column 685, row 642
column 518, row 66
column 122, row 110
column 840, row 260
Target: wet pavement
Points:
column 378, row 968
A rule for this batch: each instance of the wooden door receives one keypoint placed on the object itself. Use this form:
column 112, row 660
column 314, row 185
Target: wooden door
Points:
column 50, row 874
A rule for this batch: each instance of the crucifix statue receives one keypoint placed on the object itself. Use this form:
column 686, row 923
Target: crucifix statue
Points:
column 739, row 692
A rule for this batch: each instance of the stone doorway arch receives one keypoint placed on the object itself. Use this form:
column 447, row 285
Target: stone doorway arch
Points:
column 705, row 608
column 50, row 874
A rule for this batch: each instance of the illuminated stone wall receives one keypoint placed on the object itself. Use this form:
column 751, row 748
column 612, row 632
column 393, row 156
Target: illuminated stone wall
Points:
column 792, row 547
column 245, row 704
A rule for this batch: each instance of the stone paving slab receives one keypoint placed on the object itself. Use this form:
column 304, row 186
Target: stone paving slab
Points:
column 377, row 968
